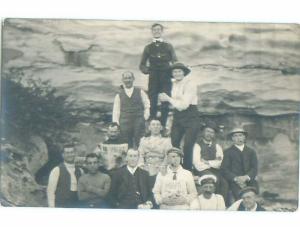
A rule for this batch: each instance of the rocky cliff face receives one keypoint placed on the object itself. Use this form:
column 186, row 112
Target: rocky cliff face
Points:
column 247, row 74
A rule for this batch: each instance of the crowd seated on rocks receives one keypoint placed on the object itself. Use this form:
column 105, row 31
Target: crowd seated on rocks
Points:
column 187, row 170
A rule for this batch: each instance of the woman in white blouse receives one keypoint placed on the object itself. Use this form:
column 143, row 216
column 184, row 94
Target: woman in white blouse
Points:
column 153, row 148
column 184, row 101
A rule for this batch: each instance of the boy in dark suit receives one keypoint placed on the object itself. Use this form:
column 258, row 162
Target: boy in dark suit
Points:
column 239, row 165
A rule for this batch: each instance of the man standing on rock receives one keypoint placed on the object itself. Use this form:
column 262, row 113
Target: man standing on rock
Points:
column 239, row 165
column 131, row 109
column 156, row 59
column 62, row 185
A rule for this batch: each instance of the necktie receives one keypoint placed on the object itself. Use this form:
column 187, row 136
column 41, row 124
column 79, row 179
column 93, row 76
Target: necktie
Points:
column 174, row 176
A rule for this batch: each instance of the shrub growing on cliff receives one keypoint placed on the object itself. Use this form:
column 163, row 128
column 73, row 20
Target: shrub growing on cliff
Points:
column 32, row 107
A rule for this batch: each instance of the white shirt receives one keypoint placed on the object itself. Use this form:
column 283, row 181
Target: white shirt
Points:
column 53, row 180
column 184, row 94
column 132, row 170
column 157, row 40
column 128, row 92
column 235, row 206
column 240, row 147
column 198, row 162
column 184, row 185
column 216, row 202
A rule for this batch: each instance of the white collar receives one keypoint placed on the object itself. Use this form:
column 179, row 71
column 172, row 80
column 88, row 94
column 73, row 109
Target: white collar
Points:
column 254, row 208
column 157, row 40
column 69, row 165
column 240, row 147
column 132, row 170
column 212, row 196
column 207, row 143
column 128, row 89
column 172, row 171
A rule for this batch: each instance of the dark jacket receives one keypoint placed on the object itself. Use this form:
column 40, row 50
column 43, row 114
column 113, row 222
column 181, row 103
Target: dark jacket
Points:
column 239, row 163
column 159, row 55
column 122, row 188
column 258, row 208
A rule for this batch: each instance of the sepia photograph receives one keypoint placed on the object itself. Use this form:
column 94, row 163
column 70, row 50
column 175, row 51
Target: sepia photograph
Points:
column 170, row 115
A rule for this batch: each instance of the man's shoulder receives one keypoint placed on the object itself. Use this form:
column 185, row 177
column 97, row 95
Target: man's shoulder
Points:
column 249, row 149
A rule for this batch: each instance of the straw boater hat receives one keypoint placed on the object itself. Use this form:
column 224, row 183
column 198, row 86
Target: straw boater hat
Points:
column 207, row 179
column 237, row 130
column 179, row 65
column 247, row 189
column 175, row 150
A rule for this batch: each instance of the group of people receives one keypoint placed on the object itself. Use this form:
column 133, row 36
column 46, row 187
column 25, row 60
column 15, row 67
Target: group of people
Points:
column 137, row 170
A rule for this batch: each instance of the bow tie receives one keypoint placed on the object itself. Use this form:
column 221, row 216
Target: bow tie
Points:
column 160, row 40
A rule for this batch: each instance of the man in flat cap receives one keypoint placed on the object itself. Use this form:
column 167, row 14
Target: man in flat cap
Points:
column 175, row 189
column 239, row 164
column 248, row 201
column 208, row 156
column 207, row 199
column 156, row 59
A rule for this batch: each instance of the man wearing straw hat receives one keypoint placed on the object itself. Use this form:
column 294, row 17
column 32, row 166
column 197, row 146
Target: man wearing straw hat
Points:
column 239, row 164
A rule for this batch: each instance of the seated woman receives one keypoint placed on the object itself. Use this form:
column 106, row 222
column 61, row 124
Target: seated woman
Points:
column 153, row 149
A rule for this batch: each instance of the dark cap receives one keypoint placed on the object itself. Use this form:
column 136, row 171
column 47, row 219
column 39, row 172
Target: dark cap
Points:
column 247, row 189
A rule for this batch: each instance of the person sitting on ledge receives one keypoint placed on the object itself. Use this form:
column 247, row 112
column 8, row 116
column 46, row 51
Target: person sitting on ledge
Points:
column 207, row 199
column 248, row 201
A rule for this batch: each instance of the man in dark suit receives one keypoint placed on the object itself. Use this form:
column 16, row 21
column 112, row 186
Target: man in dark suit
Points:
column 248, row 201
column 239, row 165
column 130, row 186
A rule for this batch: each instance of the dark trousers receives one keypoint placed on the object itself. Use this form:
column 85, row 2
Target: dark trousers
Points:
column 132, row 128
column 185, row 123
column 235, row 188
column 70, row 202
column 159, row 82
column 221, row 184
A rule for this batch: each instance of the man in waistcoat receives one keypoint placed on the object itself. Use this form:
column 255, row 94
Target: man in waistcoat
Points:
column 131, row 109
column 208, row 156
column 130, row 185
column 62, row 185
column 239, row 165
column 156, row 59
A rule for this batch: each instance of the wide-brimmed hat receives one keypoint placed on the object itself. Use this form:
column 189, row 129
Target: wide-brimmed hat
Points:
column 237, row 130
column 179, row 65
column 175, row 150
column 247, row 189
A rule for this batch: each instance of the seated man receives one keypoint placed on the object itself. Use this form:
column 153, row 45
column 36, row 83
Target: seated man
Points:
column 153, row 149
column 208, row 156
column 239, row 164
column 175, row 189
column 62, row 185
column 207, row 199
column 130, row 186
column 93, row 187
column 248, row 201
column 113, row 150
